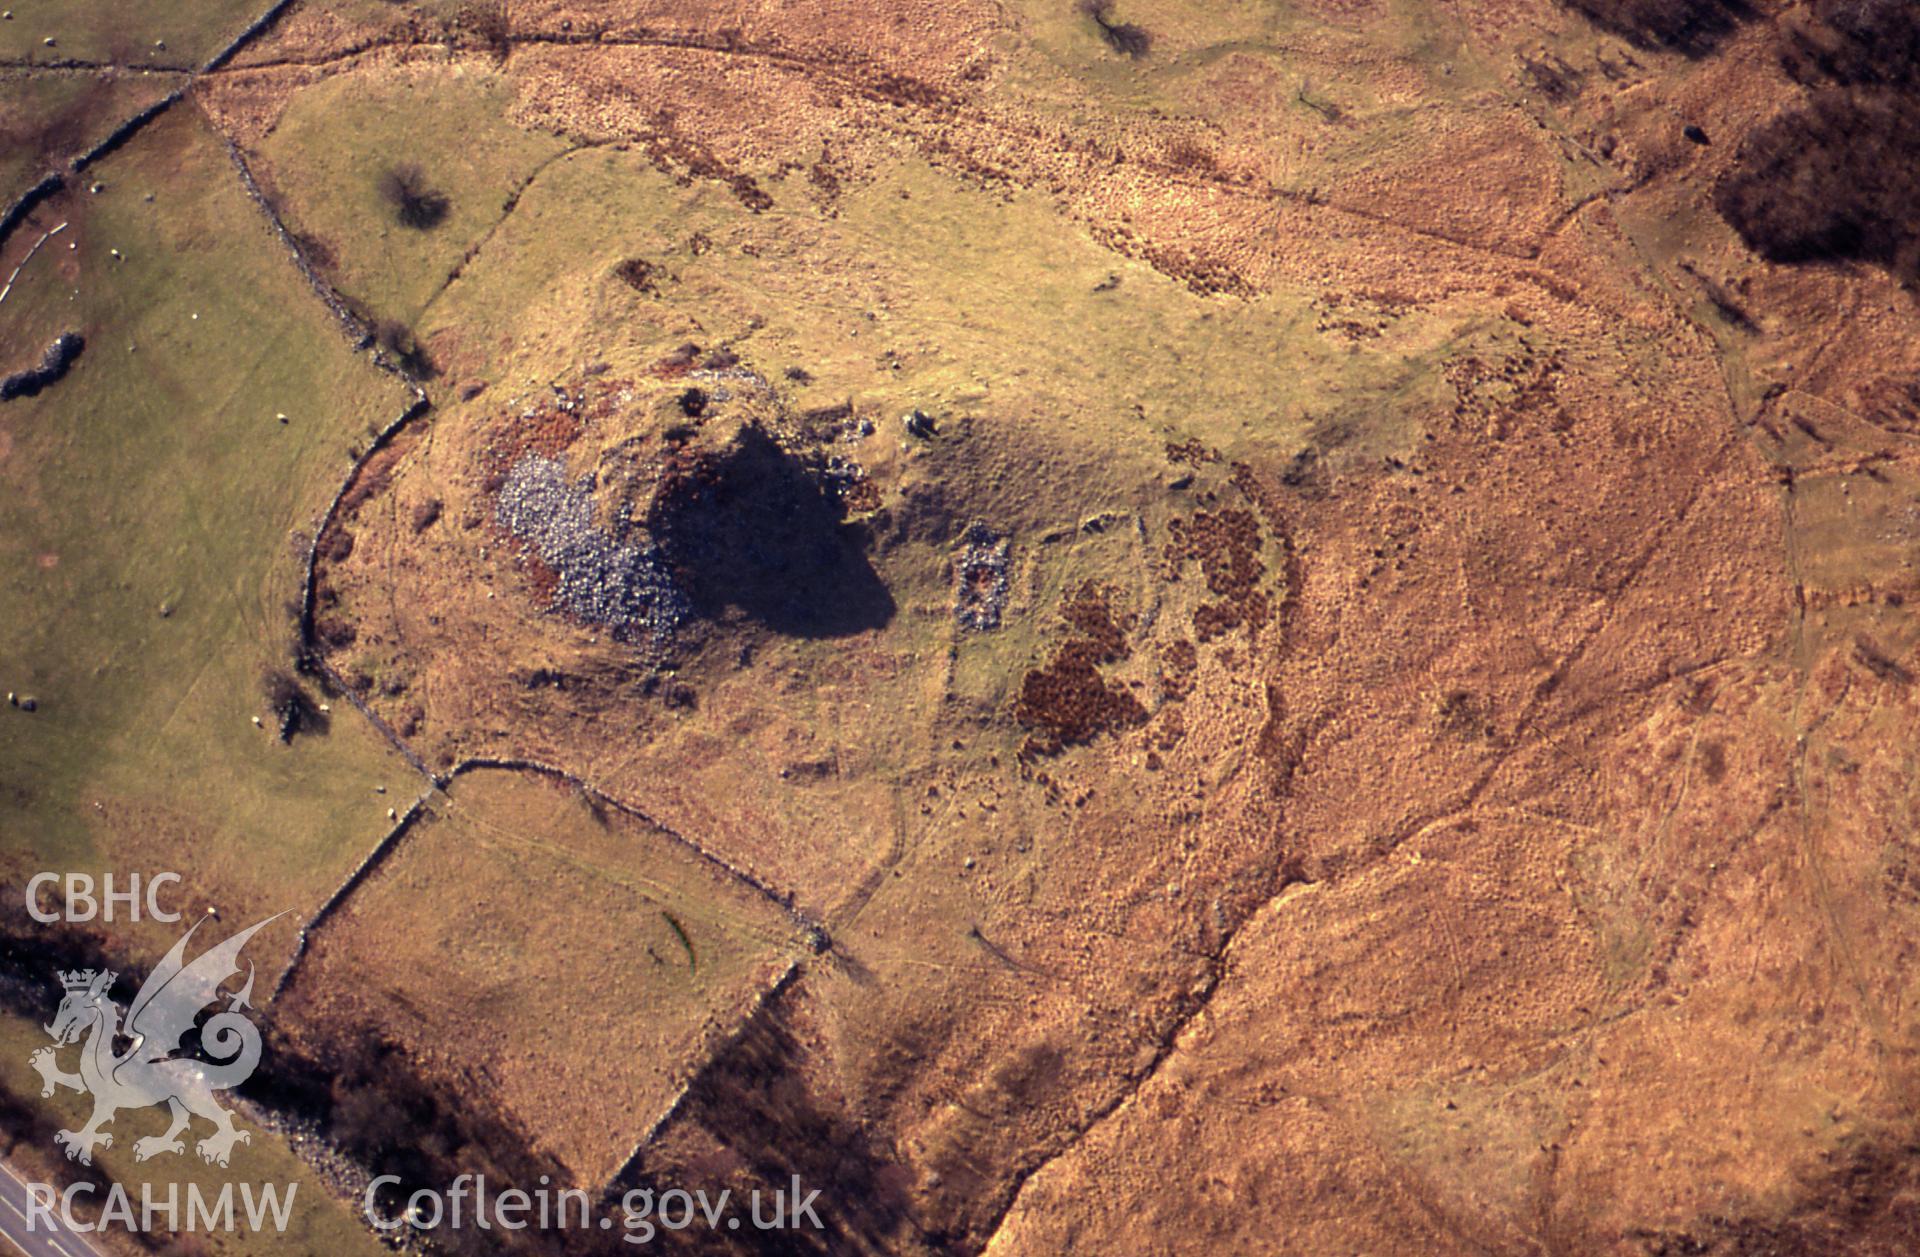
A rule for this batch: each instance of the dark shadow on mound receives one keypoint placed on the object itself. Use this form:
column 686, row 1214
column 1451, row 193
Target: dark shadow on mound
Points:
column 755, row 1100
column 1837, row 179
column 752, row 531
column 1692, row 28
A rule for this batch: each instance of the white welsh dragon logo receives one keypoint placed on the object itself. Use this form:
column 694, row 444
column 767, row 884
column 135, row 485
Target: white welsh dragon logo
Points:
column 148, row 1072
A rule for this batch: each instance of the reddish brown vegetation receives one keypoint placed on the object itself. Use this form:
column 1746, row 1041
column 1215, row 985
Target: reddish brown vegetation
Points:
column 638, row 274
column 1226, row 545
column 1193, row 452
column 678, row 362
column 1067, row 702
column 687, row 159
column 549, row 432
column 1178, row 662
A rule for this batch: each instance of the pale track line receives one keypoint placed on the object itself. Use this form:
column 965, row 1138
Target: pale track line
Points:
column 28, row 258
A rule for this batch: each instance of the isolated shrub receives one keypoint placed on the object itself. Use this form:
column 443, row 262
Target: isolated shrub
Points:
column 1835, row 179
column 749, row 193
column 397, row 339
column 319, row 254
column 1692, row 27
column 280, row 688
column 334, row 632
column 1551, row 74
column 287, row 699
column 1123, row 37
column 394, row 336
column 485, row 23
column 415, row 203
column 1327, row 109
column 638, row 274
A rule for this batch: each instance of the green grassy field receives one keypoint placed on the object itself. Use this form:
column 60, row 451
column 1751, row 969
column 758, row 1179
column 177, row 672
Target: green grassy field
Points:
column 111, row 30
column 329, row 150
column 46, row 117
column 149, row 535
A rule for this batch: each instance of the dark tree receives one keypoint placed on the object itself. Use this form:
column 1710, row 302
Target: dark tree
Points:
column 1123, row 37
column 415, row 202
column 287, row 700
